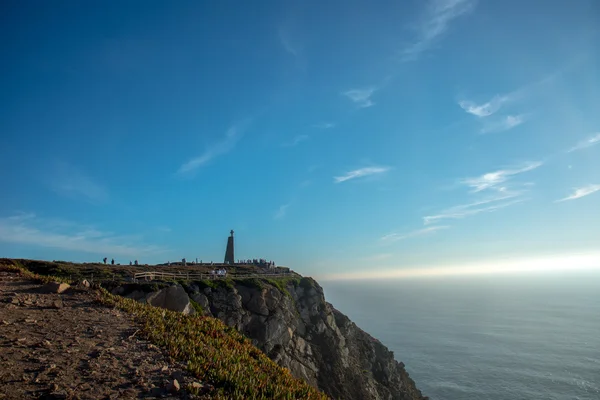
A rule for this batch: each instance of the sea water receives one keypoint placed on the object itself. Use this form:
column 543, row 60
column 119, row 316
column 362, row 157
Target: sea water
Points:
column 492, row 337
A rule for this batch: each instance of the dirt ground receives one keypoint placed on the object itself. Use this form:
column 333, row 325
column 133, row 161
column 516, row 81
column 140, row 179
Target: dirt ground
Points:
column 68, row 346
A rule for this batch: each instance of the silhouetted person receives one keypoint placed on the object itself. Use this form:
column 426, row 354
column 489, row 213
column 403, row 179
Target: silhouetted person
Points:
column 112, row 261
column 104, row 259
column 136, row 262
column 130, row 263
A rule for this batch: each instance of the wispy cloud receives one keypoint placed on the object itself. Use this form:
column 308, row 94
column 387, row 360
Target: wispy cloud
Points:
column 589, row 142
column 478, row 207
column 503, row 124
column 581, row 192
column 282, row 211
column 435, row 22
column 498, row 191
column 232, row 136
column 393, row 237
column 485, row 109
column 324, row 125
column 495, row 180
column 297, row 140
column 70, row 181
column 378, row 257
column 361, row 97
column 359, row 173
column 28, row 229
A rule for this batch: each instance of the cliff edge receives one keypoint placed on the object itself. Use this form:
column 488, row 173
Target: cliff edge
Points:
column 290, row 321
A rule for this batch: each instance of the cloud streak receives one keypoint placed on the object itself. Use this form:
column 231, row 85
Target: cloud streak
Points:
column 485, row 109
column 69, row 181
column 324, row 125
column 282, row 211
column 361, row 97
column 296, row 141
column 435, row 22
column 494, row 180
column 228, row 143
column 394, row 237
column 504, row 124
column 360, row 173
column 478, row 207
column 498, row 189
column 27, row 229
column 581, row 192
column 584, row 144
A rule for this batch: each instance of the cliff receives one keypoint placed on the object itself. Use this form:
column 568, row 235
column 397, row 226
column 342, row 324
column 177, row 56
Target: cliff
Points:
column 290, row 321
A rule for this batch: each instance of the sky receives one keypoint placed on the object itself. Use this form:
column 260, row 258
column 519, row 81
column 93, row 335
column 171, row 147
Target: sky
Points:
column 343, row 139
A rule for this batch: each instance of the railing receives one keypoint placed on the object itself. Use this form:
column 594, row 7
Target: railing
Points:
column 152, row 275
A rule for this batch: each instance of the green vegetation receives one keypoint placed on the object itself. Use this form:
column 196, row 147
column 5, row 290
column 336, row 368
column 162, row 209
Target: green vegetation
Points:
column 226, row 283
column 280, row 283
column 214, row 352
column 197, row 307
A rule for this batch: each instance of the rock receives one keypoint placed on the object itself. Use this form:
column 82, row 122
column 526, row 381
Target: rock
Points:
column 55, row 287
column 173, row 386
column 57, row 304
column 85, row 283
column 118, row 291
column 202, row 300
column 173, row 298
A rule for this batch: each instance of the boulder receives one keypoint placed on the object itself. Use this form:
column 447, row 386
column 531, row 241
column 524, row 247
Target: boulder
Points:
column 173, row 298
column 173, row 386
column 119, row 290
column 55, row 287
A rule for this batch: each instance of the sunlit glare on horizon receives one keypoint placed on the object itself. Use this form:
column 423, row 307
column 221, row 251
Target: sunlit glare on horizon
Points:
column 566, row 263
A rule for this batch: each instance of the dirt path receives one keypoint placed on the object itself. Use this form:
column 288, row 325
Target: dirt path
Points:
column 67, row 346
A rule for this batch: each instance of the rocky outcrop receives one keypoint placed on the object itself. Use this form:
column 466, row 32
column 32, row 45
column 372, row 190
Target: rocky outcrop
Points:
column 172, row 298
column 299, row 330
column 55, row 287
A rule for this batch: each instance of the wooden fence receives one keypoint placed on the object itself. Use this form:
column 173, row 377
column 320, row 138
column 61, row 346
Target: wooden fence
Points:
column 187, row 276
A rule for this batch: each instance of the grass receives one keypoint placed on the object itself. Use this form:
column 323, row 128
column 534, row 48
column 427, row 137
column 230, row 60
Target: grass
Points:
column 214, row 352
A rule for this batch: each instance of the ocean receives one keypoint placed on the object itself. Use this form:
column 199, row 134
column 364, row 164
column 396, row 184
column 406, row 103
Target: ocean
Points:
column 493, row 337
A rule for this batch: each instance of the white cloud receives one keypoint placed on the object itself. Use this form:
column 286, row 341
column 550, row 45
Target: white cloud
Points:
column 27, row 229
column 378, row 257
column 282, row 211
column 589, row 142
column 361, row 97
column 504, row 124
column 287, row 44
column 485, row 109
column 324, row 125
column 68, row 180
column 392, row 237
column 494, row 180
column 220, row 148
column 297, row 140
column 467, row 210
column 581, row 192
column 359, row 173
column 504, row 193
column 438, row 16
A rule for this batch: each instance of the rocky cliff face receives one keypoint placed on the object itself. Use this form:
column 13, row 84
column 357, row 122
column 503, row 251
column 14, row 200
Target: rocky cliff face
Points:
column 297, row 328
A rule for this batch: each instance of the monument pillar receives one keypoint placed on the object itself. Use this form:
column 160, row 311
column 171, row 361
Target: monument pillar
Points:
column 229, row 254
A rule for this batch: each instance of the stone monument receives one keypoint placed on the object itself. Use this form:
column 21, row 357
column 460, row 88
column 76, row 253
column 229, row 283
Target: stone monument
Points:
column 229, row 257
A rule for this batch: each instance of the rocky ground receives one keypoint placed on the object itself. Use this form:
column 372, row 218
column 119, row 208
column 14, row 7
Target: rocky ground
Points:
column 68, row 346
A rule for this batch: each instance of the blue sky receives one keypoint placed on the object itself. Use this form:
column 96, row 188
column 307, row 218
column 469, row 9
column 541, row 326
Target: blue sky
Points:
column 337, row 139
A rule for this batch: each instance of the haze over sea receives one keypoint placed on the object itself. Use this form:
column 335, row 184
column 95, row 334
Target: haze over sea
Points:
column 527, row 336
